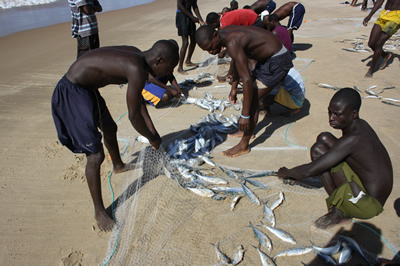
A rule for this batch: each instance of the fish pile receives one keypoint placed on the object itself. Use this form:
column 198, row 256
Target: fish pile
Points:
column 358, row 45
column 212, row 104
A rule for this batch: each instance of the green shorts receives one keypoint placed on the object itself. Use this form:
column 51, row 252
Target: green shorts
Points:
column 365, row 208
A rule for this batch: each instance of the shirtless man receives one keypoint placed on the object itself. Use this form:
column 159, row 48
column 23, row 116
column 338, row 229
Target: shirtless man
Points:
column 79, row 110
column 385, row 26
column 355, row 169
column 248, row 45
column 295, row 11
column 185, row 22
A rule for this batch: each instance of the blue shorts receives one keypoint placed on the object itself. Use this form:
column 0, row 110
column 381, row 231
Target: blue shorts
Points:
column 274, row 70
column 76, row 113
column 296, row 17
column 152, row 93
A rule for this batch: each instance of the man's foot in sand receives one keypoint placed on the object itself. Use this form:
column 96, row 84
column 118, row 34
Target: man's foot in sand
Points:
column 182, row 72
column 332, row 218
column 104, row 221
column 124, row 168
column 385, row 60
column 221, row 79
column 238, row 134
column 369, row 74
column 235, row 151
column 190, row 64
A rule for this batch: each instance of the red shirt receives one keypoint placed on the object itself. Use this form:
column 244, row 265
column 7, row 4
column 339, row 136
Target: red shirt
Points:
column 239, row 17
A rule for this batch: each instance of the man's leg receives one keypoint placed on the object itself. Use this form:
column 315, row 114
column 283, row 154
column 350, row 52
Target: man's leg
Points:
column 330, row 181
column 192, row 46
column 376, row 41
column 182, row 54
column 92, row 171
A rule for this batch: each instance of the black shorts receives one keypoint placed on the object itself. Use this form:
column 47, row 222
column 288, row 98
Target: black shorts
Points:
column 76, row 113
column 185, row 25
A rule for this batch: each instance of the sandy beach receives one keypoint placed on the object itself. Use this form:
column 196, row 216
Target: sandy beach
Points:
column 47, row 214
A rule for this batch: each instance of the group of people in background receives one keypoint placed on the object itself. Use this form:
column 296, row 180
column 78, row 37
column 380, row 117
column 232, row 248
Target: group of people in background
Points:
column 355, row 169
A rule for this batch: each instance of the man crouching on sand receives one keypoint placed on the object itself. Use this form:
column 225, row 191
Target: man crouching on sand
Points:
column 79, row 111
column 355, row 169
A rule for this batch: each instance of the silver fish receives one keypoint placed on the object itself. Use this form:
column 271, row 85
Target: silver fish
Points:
column 269, row 215
column 294, row 252
column 324, row 85
column 391, row 103
column 350, row 49
column 228, row 190
column 221, row 256
column 285, row 236
column 238, row 255
column 326, row 259
column 207, row 160
column 229, row 172
column 257, row 183
column 328, row 250
column 143, row 139
column 370, row 92
column 345, row 254
column 372, row 87
column 391, row 99
column 354, row 245
column 235, row 201
column 356, row 88
column 278, row 201
column 250, row 194
column 265, row 259
column 204, row 192
column 262, row 174
column 211, row 179
column 262, row 238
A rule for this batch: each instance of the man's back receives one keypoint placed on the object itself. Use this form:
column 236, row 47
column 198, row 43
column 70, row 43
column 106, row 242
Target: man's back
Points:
column 392, row 5
column 258, row 44
column 240, row 17
column 370, row 161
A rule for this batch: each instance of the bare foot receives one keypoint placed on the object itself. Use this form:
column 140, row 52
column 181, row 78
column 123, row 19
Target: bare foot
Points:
column 385, row 60
column 104, row 221
column 182, row 72
column 369, row 74
column 238, row 134
column 332, row 218
column 235, row 151
column 221, row 78
column 124, row 168
column 190, row 64
column 264, row 113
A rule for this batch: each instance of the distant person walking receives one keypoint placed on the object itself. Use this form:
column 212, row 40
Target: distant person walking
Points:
column 84, row 24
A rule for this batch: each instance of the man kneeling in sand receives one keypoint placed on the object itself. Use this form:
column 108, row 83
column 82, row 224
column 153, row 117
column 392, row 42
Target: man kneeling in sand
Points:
column 247, row 45
column 79, row 110
column 355, row 169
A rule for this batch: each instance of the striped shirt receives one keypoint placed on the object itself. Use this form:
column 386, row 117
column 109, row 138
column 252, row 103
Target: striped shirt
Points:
column 82, row 24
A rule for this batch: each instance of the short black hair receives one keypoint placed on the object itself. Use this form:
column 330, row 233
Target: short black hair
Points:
column 273, row 17
column 204, row 34
column 348, row 96
column 212, row 17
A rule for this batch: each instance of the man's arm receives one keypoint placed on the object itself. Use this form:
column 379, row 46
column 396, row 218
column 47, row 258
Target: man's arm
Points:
column 139, row 118
column 183, row 9
column 377, row 5
column 342, row 148
column 197, row 12
column 157, row 82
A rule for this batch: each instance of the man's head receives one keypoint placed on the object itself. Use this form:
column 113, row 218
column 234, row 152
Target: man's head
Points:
column 212, row 19
column 234, row 5
column 271, row 21
column 164, row 56
column 208, row 39
column 225, row 9
column 344, row 108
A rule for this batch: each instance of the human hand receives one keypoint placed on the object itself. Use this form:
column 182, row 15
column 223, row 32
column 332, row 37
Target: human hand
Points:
column 284, row 176
column 196, row 20
column 365, row 21
column 156, row 143
column 233, row 95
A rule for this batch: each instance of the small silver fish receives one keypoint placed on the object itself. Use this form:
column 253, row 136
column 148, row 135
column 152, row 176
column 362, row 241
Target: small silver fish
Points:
column 324, row 85
column 221, row 256
column 391, row 99
column 345, row 254
column 354, row 245
column 391, row 103
column 332, row 250
column 294, row 252
column 350, row 49
column 278, row 201
column 228, row 190
column 204, row 192
column 257, row 183
column 238, row 255
column 262, row 238
column 283, row 235
column 207, row 160
column 211, row 179
column 229, row 172
column 262, row 174
column 250, row 194
column 356, row 88
column 269, row 215
column 235, row 201
column 328, row 260
column 143, row 139
column 265, row 259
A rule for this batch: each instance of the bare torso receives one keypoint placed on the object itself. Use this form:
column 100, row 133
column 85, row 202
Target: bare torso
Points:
column 370, row 161
column 392, row 5
column 257, row 44
column 285, row 10
column 108, row 65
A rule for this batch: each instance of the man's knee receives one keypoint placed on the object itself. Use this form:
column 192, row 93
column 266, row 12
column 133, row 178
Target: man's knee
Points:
column 326, row 137
column 324, row 142
column 95, row 159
